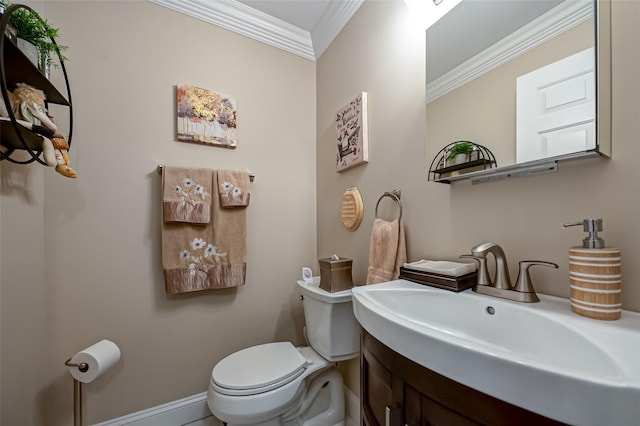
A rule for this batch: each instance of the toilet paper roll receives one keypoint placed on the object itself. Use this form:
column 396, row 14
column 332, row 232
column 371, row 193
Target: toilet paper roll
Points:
column 99, row 357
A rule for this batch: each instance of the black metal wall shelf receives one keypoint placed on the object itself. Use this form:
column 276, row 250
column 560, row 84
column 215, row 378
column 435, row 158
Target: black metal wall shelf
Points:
column 16, row 68
column 480, row 158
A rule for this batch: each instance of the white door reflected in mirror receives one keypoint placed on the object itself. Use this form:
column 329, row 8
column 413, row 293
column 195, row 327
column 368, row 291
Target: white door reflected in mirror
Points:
column 556, row 108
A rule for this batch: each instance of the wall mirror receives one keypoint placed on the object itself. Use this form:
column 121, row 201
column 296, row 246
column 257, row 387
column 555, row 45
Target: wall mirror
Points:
column 527, row 79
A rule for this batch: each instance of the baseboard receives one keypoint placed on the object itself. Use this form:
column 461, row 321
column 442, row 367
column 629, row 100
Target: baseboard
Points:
column 194, row 408
column 351, row 407
column 179, row 412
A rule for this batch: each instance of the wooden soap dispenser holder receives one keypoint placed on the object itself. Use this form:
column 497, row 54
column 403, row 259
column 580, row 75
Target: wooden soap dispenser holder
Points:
column 595, row 275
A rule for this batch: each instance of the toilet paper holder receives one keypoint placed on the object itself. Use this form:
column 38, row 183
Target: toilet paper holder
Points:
column 77, row 391
column 91, row 363
column 82, row 366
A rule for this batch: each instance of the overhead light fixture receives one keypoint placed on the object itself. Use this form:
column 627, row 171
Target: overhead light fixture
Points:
column 430, row 11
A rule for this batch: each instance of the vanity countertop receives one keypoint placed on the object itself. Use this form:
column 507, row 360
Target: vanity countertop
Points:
column 539, row 356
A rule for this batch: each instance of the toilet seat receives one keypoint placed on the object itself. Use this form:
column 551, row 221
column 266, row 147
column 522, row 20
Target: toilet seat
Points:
column 258, row 369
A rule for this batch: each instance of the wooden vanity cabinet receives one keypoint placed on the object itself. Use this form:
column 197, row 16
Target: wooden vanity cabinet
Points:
column 395, row 391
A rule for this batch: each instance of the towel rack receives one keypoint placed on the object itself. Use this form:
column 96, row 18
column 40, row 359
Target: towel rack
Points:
column 395, row 196
column 160, row 167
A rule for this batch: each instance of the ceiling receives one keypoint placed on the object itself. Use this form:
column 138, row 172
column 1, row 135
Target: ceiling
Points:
column 303, row 14
column 473, row 26
column 307, row 27
column 302, row 27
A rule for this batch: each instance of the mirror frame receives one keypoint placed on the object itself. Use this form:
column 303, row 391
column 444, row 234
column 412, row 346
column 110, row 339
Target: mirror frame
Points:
column 602, row 20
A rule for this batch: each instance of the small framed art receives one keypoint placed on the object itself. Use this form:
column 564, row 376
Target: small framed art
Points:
column 352, row 133
column 206, row 117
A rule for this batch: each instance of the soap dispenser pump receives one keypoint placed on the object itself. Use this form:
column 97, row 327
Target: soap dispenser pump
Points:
column 592, row 226
column 595, row 275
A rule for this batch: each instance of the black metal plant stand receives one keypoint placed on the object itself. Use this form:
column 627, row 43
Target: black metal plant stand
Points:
column 15, row 68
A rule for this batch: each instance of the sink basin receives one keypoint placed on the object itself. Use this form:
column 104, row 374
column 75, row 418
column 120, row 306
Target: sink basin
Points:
column 541, row 356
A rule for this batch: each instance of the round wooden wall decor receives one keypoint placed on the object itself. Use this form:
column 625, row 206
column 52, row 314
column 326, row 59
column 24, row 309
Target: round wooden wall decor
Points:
column 352, row 209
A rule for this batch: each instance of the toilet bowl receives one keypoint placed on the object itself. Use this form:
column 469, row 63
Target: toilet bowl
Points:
column 278, row 384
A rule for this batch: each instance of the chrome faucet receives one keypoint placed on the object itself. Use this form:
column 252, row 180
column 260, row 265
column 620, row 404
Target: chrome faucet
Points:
column 501, row 280
column 501, row 285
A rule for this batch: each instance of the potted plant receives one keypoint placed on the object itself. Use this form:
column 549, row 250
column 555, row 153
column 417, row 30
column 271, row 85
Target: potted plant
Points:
column 32, row 28
column 459, row 152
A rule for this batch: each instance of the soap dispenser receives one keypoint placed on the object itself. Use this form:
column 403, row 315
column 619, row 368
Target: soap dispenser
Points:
column 594, row 275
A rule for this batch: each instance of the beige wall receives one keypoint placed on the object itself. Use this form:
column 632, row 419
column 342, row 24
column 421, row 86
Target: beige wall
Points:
column 380, row 53
column 23, row 356
column 23, row 295
column 81, row 258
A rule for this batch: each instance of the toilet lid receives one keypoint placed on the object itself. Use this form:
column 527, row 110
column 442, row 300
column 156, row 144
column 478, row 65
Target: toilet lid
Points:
column 259, row 366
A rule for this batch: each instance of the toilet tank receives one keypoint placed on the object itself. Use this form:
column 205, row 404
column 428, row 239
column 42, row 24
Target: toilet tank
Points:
column 331, row 327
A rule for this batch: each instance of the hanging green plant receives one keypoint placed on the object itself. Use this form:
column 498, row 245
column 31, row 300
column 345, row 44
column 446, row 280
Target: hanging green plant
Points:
column 33, row 28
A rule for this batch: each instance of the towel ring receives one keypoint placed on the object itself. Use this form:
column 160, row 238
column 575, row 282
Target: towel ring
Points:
column 395, row 196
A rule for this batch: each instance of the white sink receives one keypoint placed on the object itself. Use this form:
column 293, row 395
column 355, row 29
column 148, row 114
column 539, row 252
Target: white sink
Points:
column 539, row 356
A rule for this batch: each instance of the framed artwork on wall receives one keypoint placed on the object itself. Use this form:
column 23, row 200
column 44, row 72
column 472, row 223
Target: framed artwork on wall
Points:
column 352, row 133
column 205, row 117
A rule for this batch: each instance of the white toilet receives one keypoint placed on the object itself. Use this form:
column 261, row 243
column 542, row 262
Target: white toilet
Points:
column 277, row 384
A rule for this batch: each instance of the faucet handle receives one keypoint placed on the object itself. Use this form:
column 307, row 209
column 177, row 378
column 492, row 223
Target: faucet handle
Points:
column 523, row 283
column 483, row 272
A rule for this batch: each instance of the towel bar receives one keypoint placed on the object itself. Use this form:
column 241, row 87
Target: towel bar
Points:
column 161, row 167
column 395, row 196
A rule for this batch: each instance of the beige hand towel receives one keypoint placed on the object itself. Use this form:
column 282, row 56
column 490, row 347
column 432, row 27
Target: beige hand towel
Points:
column 233, row 187
column 388, row 251
column 197, row 257
column 186, row 195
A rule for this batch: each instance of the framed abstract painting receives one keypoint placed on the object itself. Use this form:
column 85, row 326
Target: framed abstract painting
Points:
column 205, row 117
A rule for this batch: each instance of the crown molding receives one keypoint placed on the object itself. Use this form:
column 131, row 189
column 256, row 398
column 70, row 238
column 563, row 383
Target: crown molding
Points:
column 334, row 18
column 245, row 20
column 558, row 20
column 242, row 19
